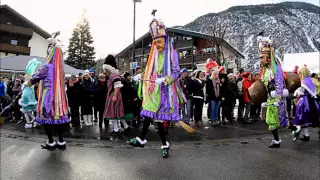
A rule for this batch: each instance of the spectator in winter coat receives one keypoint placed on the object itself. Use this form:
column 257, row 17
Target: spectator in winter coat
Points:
column 213, row 86
column 240, row 95
column 10, row 85
column 185, row 83
column 196, row 87
column 138, row 103
column 246, row 83
column 16, row 107
column 100, row 96
column 74, row 93
column 230, row 94
column 128, row 96
column 87, row 99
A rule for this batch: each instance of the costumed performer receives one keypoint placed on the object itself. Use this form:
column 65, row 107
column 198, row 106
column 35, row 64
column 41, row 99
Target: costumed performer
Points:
column 52, row 110
column 114, row 105
column 307, row 110
column 28, row 100
column 162, row 94
column 273, row 78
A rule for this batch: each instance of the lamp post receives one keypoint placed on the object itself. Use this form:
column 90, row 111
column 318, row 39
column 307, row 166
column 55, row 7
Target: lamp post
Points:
column 134, row 31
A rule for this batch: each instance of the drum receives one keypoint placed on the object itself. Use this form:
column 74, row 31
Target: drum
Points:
column 258, row 93
column 293, row 82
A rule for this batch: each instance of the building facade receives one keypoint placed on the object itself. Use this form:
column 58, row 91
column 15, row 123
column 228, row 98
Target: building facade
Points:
column 194, row 48
column 19, row 36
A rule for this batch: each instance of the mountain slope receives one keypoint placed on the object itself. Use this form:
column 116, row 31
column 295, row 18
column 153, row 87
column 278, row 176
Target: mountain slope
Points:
column 293, row 26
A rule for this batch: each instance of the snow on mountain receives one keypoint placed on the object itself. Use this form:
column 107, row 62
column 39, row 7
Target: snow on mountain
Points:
column 294, row 27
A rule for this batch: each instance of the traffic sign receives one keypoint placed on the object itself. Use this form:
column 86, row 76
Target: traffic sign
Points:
column 133, row 65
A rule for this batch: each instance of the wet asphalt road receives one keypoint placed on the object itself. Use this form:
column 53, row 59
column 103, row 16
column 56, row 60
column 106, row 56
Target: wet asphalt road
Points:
column 21, row 159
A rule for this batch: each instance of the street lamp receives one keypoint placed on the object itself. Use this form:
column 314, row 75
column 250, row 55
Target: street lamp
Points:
column 134, row 30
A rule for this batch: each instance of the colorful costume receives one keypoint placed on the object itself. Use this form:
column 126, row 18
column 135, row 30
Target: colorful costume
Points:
column 114, row 109
column 28, row 101
column 307, row 110
column 162, row 94
column 272, row 76
column 52, row 110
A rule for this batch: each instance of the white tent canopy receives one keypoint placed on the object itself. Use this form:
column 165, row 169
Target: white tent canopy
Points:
column 19, row 63
column 311, row 59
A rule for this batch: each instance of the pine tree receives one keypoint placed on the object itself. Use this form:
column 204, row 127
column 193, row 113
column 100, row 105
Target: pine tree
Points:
column 81, row 53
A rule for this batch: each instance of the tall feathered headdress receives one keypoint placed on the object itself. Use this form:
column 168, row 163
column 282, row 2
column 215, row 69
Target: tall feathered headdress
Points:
column 265, row 46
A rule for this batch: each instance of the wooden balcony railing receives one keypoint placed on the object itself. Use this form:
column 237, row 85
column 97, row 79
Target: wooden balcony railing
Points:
column 201, row 58
column 14, row 49
column 185, row 44
column 138, row 52
column 16, row 29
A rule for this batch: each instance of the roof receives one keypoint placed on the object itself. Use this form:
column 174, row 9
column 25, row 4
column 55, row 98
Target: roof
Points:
column 36, row 28
column 188, row 33
column 19, row 64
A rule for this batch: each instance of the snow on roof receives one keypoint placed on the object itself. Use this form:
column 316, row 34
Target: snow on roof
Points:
column 311, row 59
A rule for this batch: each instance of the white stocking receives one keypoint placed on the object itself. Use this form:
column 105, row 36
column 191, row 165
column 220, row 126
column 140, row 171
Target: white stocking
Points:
column 26, row 115
column 305, row 131
column 125, row 125
column 115, row 126
column 31, row 115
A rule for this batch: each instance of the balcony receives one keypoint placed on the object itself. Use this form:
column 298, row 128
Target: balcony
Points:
column 138, row 52
column 14, row 49
column 16, row 29
column 198, row 59
column 185, row 44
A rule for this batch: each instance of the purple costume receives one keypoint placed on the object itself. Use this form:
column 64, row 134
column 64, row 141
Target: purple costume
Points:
column 46, row 104
column 162, row 103
column 308, row 110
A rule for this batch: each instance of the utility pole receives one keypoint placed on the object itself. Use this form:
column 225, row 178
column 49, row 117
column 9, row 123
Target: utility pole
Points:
column 134, row 32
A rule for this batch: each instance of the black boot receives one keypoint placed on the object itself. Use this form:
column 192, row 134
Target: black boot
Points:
column 296, row 134
column 165, row 150
column 61, row 145
column 49, row 146
column 275, row 144
column 137, row 142
column 305, row 138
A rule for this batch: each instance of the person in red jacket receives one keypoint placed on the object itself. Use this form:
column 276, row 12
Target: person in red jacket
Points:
column 246, row 83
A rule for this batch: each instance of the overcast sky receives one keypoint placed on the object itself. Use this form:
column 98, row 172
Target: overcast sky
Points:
column 111, row 21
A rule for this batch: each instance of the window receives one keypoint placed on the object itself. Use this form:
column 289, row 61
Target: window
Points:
column 14, row 42
column 9, row 23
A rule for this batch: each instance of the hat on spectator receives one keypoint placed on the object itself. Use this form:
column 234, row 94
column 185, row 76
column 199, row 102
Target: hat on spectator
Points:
column 246, row 74
column 184, row 70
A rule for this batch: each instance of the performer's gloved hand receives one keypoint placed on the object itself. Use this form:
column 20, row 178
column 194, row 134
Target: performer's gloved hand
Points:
column 276, row 104
column 137, row 77
column 264, row 104
column 168, row 80
column 159, row 80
